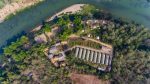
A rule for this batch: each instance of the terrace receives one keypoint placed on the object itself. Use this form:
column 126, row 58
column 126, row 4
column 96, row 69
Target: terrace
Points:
column 84, row 42
column 94, row 52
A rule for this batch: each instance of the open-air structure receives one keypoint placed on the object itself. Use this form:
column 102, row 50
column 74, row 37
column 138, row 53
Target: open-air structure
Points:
column 94, row 56
column 102, row 56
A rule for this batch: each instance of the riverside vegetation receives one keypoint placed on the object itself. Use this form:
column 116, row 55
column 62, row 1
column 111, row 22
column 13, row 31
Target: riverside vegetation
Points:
column 24, row 61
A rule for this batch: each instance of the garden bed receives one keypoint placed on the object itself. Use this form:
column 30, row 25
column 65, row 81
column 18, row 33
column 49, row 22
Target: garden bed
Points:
column 83, row 42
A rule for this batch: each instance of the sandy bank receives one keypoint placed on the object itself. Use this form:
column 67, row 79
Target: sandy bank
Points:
column 14, row 7
column 71, row 9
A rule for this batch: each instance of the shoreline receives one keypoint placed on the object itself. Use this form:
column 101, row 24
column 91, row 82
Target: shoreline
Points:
column 71, row 9
column 15, row 7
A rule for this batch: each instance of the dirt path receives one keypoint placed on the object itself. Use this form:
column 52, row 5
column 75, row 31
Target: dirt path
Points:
column 104, row 44
column 87, row 79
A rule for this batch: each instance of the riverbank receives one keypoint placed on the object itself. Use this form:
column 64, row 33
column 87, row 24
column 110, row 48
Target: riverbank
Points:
column 16, row 6
column 71, row 9
column 29, row 19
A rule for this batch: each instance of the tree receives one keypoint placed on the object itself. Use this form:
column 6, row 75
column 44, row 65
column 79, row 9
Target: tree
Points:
column 131, row 68
column 14, row 50
column 61, row 21
column 47, row 28
column 88, row 9
column 77, row 23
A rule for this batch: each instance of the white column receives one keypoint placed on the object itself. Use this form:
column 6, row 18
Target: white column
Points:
column 95, row 57
column 107, row 60
column 103, row 58
column 99, row 57
column 87, row 56
column 91, row 56
column 77, row 50
column 84, row 53
column 80, row 52
column 110, row 60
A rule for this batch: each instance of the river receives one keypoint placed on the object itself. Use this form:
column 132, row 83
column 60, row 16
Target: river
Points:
column 136, row 10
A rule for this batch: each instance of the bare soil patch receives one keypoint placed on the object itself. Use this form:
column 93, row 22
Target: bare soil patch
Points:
column 86, row 79
column 14, row 7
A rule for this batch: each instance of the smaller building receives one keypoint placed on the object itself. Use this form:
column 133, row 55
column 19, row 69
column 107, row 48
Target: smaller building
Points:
column 56, row 56
column 53, row 50
column 57, row 60
column 41, row 39
column 94, row 23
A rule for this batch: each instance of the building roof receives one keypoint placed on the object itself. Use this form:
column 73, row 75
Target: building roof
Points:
column 94, row 56
column 53, row 49
column 50, row 56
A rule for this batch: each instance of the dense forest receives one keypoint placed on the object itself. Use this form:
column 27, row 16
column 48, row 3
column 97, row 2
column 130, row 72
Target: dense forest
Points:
column 25, row 63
